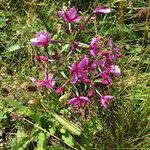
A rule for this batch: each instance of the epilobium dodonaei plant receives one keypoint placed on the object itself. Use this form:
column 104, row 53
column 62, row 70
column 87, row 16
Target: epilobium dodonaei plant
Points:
column 87, row 73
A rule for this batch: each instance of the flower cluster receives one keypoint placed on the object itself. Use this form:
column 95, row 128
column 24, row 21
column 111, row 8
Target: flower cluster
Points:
column 95, row 69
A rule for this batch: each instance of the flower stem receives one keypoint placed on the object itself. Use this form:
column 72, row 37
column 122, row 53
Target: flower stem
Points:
column 57, row 41
column 69, row 27
column 76, row 90
column 98, row 92
column 46, row 49
column 84, row 25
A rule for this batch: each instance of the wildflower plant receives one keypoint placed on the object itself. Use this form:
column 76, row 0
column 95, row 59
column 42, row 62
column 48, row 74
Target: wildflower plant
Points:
column 84, row 70
column 96, row 68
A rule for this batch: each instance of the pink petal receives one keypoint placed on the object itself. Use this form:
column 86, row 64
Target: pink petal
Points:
column 72, row 101
column 109, row 97
column 72, row 12
column 104, row 105
column 93, row 52
column 33, row 80
column 74, row 66
column 90, row 92
column 59, row 90
column 77, row 19
column 44, row 58
column 84, row 62
column 61, row 14
column 105, row 82
column 94, row 41
column 102, row 10
column 86, row 99
column 74, row 78
column 117, row 71
column 34, row 42
column 105, row 100
column 41, row 39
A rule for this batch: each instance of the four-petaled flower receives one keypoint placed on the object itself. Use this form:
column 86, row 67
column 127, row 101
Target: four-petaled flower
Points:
column 41, row 39
column 102, row 10
column 94, row 47
column 79, row 70
column 79, row 101
column 70, row 15
column 105, row 100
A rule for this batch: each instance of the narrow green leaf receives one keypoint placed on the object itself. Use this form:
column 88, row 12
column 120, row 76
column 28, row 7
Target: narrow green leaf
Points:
column 68, row 139
column 63, row 74
column 41, row 141
column 65, row 47
column 14, row 48
column 68, row 125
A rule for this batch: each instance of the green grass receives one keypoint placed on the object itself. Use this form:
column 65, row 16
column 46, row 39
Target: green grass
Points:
column 125, row 125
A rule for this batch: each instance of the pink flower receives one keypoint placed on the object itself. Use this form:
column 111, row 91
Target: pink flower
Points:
column 41, row 58
column 94, row 47
column 47, row 82
column 41, row 39
column 59, row 90
column 69, row 15
column 102, row 10
column 79, row 70
column 105, row 100
column 114, row 69
column 79, row 101
column 106, row 80
column 115, row 51
column 115, row 54
column 90, row 92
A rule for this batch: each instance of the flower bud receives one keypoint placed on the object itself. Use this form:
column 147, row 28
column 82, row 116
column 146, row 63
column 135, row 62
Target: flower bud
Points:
column 102, row 10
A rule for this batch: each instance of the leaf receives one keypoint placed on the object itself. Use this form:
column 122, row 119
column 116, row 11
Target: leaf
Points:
column 65, row 47
column 2, row 23
column 98, row 81
column 62, row 130
column 41, row 141
column 23, row 110
column 93, row 126
column 64, row 97
column 68, row 139
column 3, row 113
column 56, row 148
column 127, row 46
column 83, row 45
column 52, row 130
column 63, row 74
column 68, row 125
column 14, row 48
column 20, row 134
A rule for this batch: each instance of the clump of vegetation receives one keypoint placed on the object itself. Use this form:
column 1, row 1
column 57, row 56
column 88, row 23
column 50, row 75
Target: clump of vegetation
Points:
column 77, row 94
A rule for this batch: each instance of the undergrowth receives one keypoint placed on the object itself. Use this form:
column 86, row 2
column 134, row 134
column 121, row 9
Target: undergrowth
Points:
column 26, row 123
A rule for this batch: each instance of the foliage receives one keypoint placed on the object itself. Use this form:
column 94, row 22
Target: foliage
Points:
column 29, row 120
